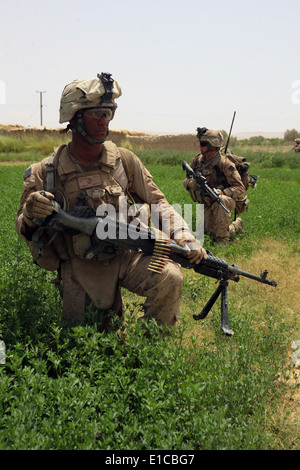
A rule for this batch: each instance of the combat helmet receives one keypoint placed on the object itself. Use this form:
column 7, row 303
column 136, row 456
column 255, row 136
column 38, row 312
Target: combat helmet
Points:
column 214, row 138
column 83, row 94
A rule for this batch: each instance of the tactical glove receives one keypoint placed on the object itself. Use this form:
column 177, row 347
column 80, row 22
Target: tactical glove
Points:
column 192, row 184
column 37, row 206
column 196, row 253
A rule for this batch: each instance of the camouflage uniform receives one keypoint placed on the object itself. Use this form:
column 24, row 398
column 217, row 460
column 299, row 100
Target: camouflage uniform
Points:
column 221, row 174
column 105, row 182
column 297, row 145
column 99, row 281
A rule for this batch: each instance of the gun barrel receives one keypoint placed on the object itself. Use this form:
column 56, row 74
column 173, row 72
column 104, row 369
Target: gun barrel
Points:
column 262, row 278
column 187, row 168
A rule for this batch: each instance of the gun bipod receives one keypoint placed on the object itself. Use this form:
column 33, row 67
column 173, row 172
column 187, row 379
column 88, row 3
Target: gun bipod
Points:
column 221, row 289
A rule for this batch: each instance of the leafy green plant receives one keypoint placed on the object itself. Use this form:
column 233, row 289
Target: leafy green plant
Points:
column 89, row 390
column 71, row 388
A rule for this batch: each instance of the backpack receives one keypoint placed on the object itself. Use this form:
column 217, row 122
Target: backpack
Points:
column 247, row 178
column 242, row 167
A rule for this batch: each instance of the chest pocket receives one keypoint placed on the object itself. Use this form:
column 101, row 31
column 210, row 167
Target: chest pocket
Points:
column 100, row 195
column 92, row 189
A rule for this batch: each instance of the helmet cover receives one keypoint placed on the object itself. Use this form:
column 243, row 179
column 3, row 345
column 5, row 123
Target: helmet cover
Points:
column 90, row 93
column 215, row 138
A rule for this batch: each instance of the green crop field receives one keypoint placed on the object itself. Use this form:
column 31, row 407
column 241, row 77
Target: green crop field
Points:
column 76, row 388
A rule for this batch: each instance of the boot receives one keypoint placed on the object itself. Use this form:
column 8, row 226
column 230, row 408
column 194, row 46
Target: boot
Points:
column 221, row 241
column 236, row 227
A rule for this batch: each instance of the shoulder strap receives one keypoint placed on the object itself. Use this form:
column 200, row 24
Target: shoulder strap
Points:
column 211, row 160
column 51, row 167
column 221, row 179
column 50, row 173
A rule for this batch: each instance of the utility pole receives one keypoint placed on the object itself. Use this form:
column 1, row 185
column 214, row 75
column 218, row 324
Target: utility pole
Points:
column 41, row 105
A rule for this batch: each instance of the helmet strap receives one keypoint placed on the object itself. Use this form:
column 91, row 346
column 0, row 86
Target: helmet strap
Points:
column 210, row 148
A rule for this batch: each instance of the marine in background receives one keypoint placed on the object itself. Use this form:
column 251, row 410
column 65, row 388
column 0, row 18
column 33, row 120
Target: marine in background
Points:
column 222, row 175
column 297, row 145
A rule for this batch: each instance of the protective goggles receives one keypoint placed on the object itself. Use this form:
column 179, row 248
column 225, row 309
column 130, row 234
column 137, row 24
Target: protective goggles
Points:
column 98, row 113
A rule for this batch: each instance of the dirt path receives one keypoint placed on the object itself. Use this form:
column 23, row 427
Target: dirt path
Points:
column 283, row 264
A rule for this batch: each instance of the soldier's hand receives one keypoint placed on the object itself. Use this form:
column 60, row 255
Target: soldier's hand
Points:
column 38, row 205
column 196, row 253
column 191, row 184
column 218, row 191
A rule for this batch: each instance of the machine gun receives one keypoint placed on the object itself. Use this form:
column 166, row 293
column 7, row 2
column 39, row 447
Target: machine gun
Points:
column 151, row 242
column 202, row 181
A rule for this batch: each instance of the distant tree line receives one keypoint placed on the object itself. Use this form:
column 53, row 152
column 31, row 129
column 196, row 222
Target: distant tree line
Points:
column 233, row 140
column 291, row 135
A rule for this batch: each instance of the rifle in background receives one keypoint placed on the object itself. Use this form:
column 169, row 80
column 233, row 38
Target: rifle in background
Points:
column 202, row 181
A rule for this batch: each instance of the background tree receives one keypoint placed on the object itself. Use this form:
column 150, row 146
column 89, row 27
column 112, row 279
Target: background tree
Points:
column 291, row 135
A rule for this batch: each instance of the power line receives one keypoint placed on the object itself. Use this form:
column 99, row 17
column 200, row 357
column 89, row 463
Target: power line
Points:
column 41, row 105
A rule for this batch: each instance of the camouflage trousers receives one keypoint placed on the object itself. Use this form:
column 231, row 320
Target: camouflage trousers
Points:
column 217, row 220
column 162, row 291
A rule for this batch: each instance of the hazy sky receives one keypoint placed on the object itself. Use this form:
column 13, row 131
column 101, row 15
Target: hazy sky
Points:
column 181, row 64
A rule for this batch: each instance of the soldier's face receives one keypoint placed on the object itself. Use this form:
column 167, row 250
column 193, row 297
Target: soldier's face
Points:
column 207, row 150
column 204, row 148
column 96, row 123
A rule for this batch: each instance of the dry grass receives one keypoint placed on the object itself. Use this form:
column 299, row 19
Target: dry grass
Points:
column 284, row 267
column 283, row 264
